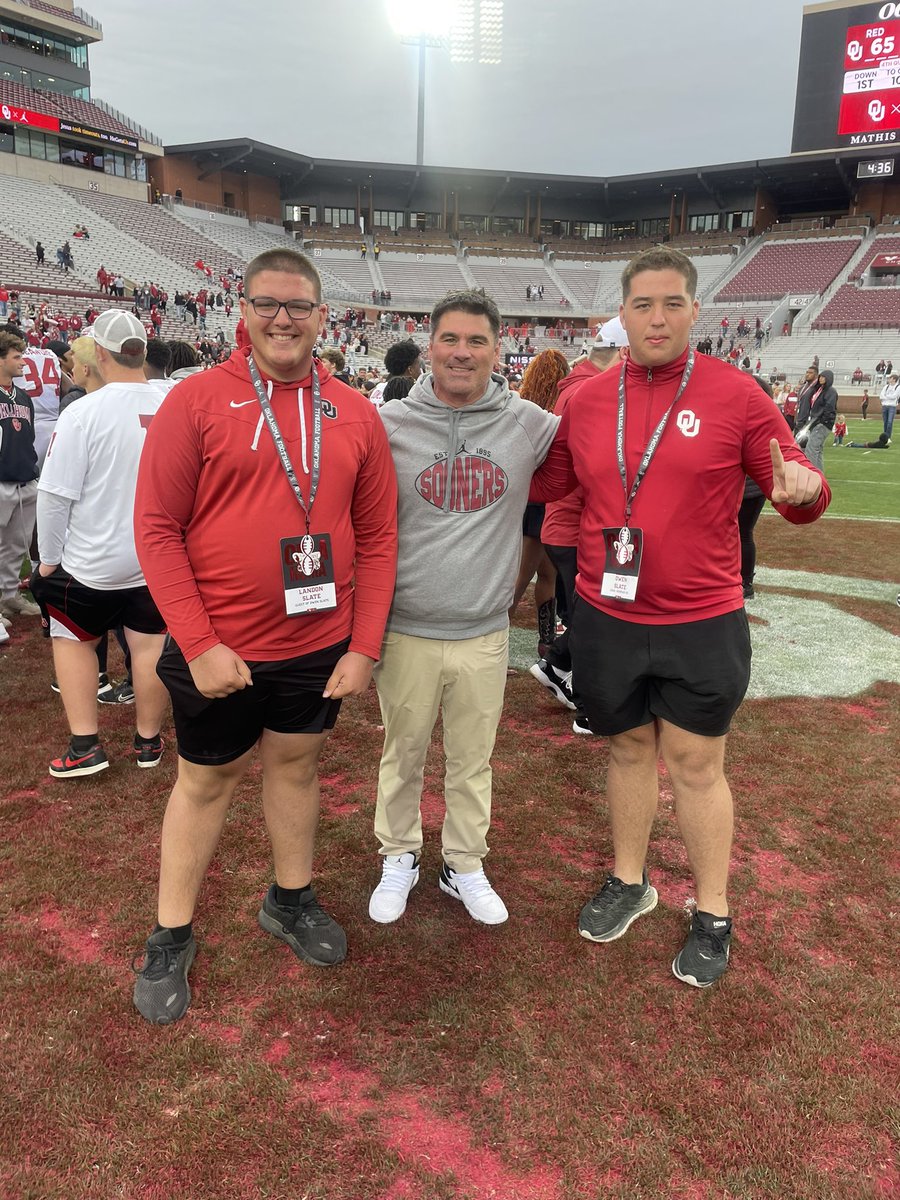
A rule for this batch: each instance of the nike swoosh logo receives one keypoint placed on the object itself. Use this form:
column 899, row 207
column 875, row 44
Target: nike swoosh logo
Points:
column 75, row 762
column 241, row 404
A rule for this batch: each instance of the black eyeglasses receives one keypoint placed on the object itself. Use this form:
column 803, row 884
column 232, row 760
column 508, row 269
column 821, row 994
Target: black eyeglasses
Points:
column 297, row 310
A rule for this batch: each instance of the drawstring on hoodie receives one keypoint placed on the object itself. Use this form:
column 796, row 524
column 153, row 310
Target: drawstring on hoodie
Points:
column 254, row 445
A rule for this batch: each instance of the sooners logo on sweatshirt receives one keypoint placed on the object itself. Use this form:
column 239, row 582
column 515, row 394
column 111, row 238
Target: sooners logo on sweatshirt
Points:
column 474, row 482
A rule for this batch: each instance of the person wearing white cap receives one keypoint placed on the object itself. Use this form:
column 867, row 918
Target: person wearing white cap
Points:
column 89, row 579
column 562, row 520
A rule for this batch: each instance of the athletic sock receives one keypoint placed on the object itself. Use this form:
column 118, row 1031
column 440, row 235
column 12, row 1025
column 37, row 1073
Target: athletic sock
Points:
column 179, row 933
column 291, row 897
column 82, row 742
column 140, row 740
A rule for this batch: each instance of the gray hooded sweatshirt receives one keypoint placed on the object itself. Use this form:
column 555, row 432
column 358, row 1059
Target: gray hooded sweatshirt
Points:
column 460, row 528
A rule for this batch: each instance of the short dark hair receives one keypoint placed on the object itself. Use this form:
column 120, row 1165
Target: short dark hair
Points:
column 183, row 355
column 60, row 349
column 397, row 387
column 333, row 355
column 399, row 357
column 470, row 300
column 291, row 262
column 661, row 258
column 9, row 341
column 159, row 355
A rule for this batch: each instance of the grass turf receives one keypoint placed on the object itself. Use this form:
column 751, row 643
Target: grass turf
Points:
column 444, row 1060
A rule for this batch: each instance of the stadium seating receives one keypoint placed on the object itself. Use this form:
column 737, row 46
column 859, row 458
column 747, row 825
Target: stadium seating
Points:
column 861, row 308
column 879, row 245
column 418, row 282
column 778, row 268
column 55, row 104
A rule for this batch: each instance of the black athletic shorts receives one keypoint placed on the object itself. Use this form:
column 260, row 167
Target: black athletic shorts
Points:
column 693, row 675
column 286, row 697
column 87, row 613
column 532, row 520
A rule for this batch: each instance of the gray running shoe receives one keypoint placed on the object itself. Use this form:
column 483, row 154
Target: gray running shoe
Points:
column 162, row 993
column 615, row 907
column 705, row 954
column 308, row 930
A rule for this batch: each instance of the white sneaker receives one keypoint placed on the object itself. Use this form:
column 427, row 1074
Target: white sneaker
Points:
column 473, row 888
column 18, row 604
column 4, row 636
column 5, row 622
column 399, row 875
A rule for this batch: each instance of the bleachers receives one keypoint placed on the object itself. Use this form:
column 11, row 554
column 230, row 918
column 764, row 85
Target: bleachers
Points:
column 861, row 308
column 153, row 226
column 781, row 267
column 419, row 283
column 57, row 105
column 879, row 245
column 507, row 282
column 345, row 275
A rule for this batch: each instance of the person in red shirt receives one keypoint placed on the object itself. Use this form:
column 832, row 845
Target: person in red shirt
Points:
column 275, row 585
column 662, row 644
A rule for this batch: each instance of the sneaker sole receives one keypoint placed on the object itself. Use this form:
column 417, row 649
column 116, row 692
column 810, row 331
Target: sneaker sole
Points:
column 273, row 925
column 576, row 728
column 75, row 772
column 171, row 1017
column 391, row 920
column 145, row 766
column 692, row 980
column 449, row 891
column 547, row 682
column 616, row 934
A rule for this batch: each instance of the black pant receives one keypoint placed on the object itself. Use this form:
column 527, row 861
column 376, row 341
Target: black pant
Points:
column 565, row 559
column 748, row 515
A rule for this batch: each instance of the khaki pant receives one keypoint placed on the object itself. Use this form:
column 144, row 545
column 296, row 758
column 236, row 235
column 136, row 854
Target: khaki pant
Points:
column 466, row 679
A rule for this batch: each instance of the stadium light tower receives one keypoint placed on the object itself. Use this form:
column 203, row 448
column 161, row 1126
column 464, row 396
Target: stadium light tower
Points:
column 472, row 30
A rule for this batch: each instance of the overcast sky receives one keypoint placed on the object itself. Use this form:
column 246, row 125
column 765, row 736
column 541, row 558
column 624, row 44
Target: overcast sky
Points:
column 587, row 87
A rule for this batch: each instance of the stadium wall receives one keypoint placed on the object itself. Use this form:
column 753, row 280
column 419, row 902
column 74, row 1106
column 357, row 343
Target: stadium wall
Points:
column 256, row 195
column 75, row 177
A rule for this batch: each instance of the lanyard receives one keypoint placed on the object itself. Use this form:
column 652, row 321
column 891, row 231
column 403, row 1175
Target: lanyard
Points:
column 654, row 438
column 266, row 407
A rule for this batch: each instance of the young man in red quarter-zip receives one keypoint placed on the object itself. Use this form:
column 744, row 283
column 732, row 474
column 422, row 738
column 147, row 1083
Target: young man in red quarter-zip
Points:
column 660, row 637
column 266, row 521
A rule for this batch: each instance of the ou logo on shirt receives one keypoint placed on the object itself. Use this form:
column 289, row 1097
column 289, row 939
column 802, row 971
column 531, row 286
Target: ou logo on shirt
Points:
column 688, row 422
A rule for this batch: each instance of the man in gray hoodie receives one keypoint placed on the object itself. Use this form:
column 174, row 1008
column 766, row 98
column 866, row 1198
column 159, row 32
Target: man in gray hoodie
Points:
column 465, row 448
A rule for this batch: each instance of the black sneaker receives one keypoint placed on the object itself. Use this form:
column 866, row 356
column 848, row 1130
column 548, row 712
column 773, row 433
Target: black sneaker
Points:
column 560, row 685
column 308, row 930
column 705, row 954
column 123, row 693
column 148, row 754
column 582, row 725
column 71, row 765
column 615, row 907
column 748, row 591
column 104, row 687
column 162, row 993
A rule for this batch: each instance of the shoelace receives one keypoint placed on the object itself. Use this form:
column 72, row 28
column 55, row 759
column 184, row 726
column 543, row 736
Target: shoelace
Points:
column 710, row 944
column 611, row 891
column 394, row 878
column 160, row 961
column 476, row 885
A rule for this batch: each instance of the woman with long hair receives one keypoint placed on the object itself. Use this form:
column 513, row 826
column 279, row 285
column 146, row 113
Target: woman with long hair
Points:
column 539, row 384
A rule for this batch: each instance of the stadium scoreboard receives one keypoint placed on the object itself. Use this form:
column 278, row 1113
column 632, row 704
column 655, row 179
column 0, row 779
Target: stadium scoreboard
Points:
column 848, row 82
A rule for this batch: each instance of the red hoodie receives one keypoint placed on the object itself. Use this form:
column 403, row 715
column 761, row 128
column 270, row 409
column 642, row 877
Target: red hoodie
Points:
column 562, row 520
column 213, row 503
column 687, row 504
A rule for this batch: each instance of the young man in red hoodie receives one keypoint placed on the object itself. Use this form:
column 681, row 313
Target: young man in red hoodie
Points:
column 660, row 638
column 267, row 525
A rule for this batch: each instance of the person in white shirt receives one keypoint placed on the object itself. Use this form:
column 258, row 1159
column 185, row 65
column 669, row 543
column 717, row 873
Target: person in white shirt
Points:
column 89, row 579
column 889, row 394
